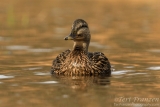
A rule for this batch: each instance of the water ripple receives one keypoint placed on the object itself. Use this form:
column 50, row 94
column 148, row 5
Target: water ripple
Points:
column 17, row 47
column 97, row 45
column 46, row 82
column 5, row 77
column 29, row 49
column 137, row 74
column 154, row 68
column 41, row 73
column 154, row 50
column 129, row 67
column 33, row 68
column 40, row 50
column 121, row 72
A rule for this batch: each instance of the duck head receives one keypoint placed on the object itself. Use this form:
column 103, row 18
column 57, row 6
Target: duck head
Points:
column 80, row 34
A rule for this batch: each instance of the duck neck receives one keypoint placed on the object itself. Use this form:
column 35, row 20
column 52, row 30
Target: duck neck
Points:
column 81, row 46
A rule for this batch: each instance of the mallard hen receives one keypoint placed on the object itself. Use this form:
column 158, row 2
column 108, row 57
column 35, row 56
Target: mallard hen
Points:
column 79, row 61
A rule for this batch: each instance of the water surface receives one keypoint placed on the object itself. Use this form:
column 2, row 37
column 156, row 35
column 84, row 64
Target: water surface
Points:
column 31, row 36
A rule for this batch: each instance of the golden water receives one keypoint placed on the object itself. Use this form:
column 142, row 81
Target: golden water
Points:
column 31, row 36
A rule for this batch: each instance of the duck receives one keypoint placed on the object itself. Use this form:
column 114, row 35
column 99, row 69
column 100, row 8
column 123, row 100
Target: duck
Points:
column 78, row 61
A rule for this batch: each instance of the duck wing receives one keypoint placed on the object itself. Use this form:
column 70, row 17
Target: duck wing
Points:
column 58, row 61
column 100, row 63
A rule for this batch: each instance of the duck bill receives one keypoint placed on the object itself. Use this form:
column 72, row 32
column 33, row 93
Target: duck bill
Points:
column 68, row 37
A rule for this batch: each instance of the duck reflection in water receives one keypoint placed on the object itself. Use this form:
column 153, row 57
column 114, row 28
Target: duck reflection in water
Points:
column 83, row 82
column 79, row 61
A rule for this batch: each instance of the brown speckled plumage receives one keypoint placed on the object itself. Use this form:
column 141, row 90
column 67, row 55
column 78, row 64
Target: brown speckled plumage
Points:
column 79, row 61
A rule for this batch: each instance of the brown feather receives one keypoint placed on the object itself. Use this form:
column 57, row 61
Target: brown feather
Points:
column 79, row 61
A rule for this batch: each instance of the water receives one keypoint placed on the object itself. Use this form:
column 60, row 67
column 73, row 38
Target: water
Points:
column 31, row 36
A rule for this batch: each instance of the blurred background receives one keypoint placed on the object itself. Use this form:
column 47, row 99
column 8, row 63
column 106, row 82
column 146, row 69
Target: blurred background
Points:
column 32, row 35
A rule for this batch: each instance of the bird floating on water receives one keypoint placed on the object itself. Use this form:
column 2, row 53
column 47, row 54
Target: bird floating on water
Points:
column 79, row 61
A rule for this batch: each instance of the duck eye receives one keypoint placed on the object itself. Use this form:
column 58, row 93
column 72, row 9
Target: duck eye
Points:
column 79, row 35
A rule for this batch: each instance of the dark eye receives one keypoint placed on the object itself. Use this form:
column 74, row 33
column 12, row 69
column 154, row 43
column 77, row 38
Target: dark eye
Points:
column 79, row 35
